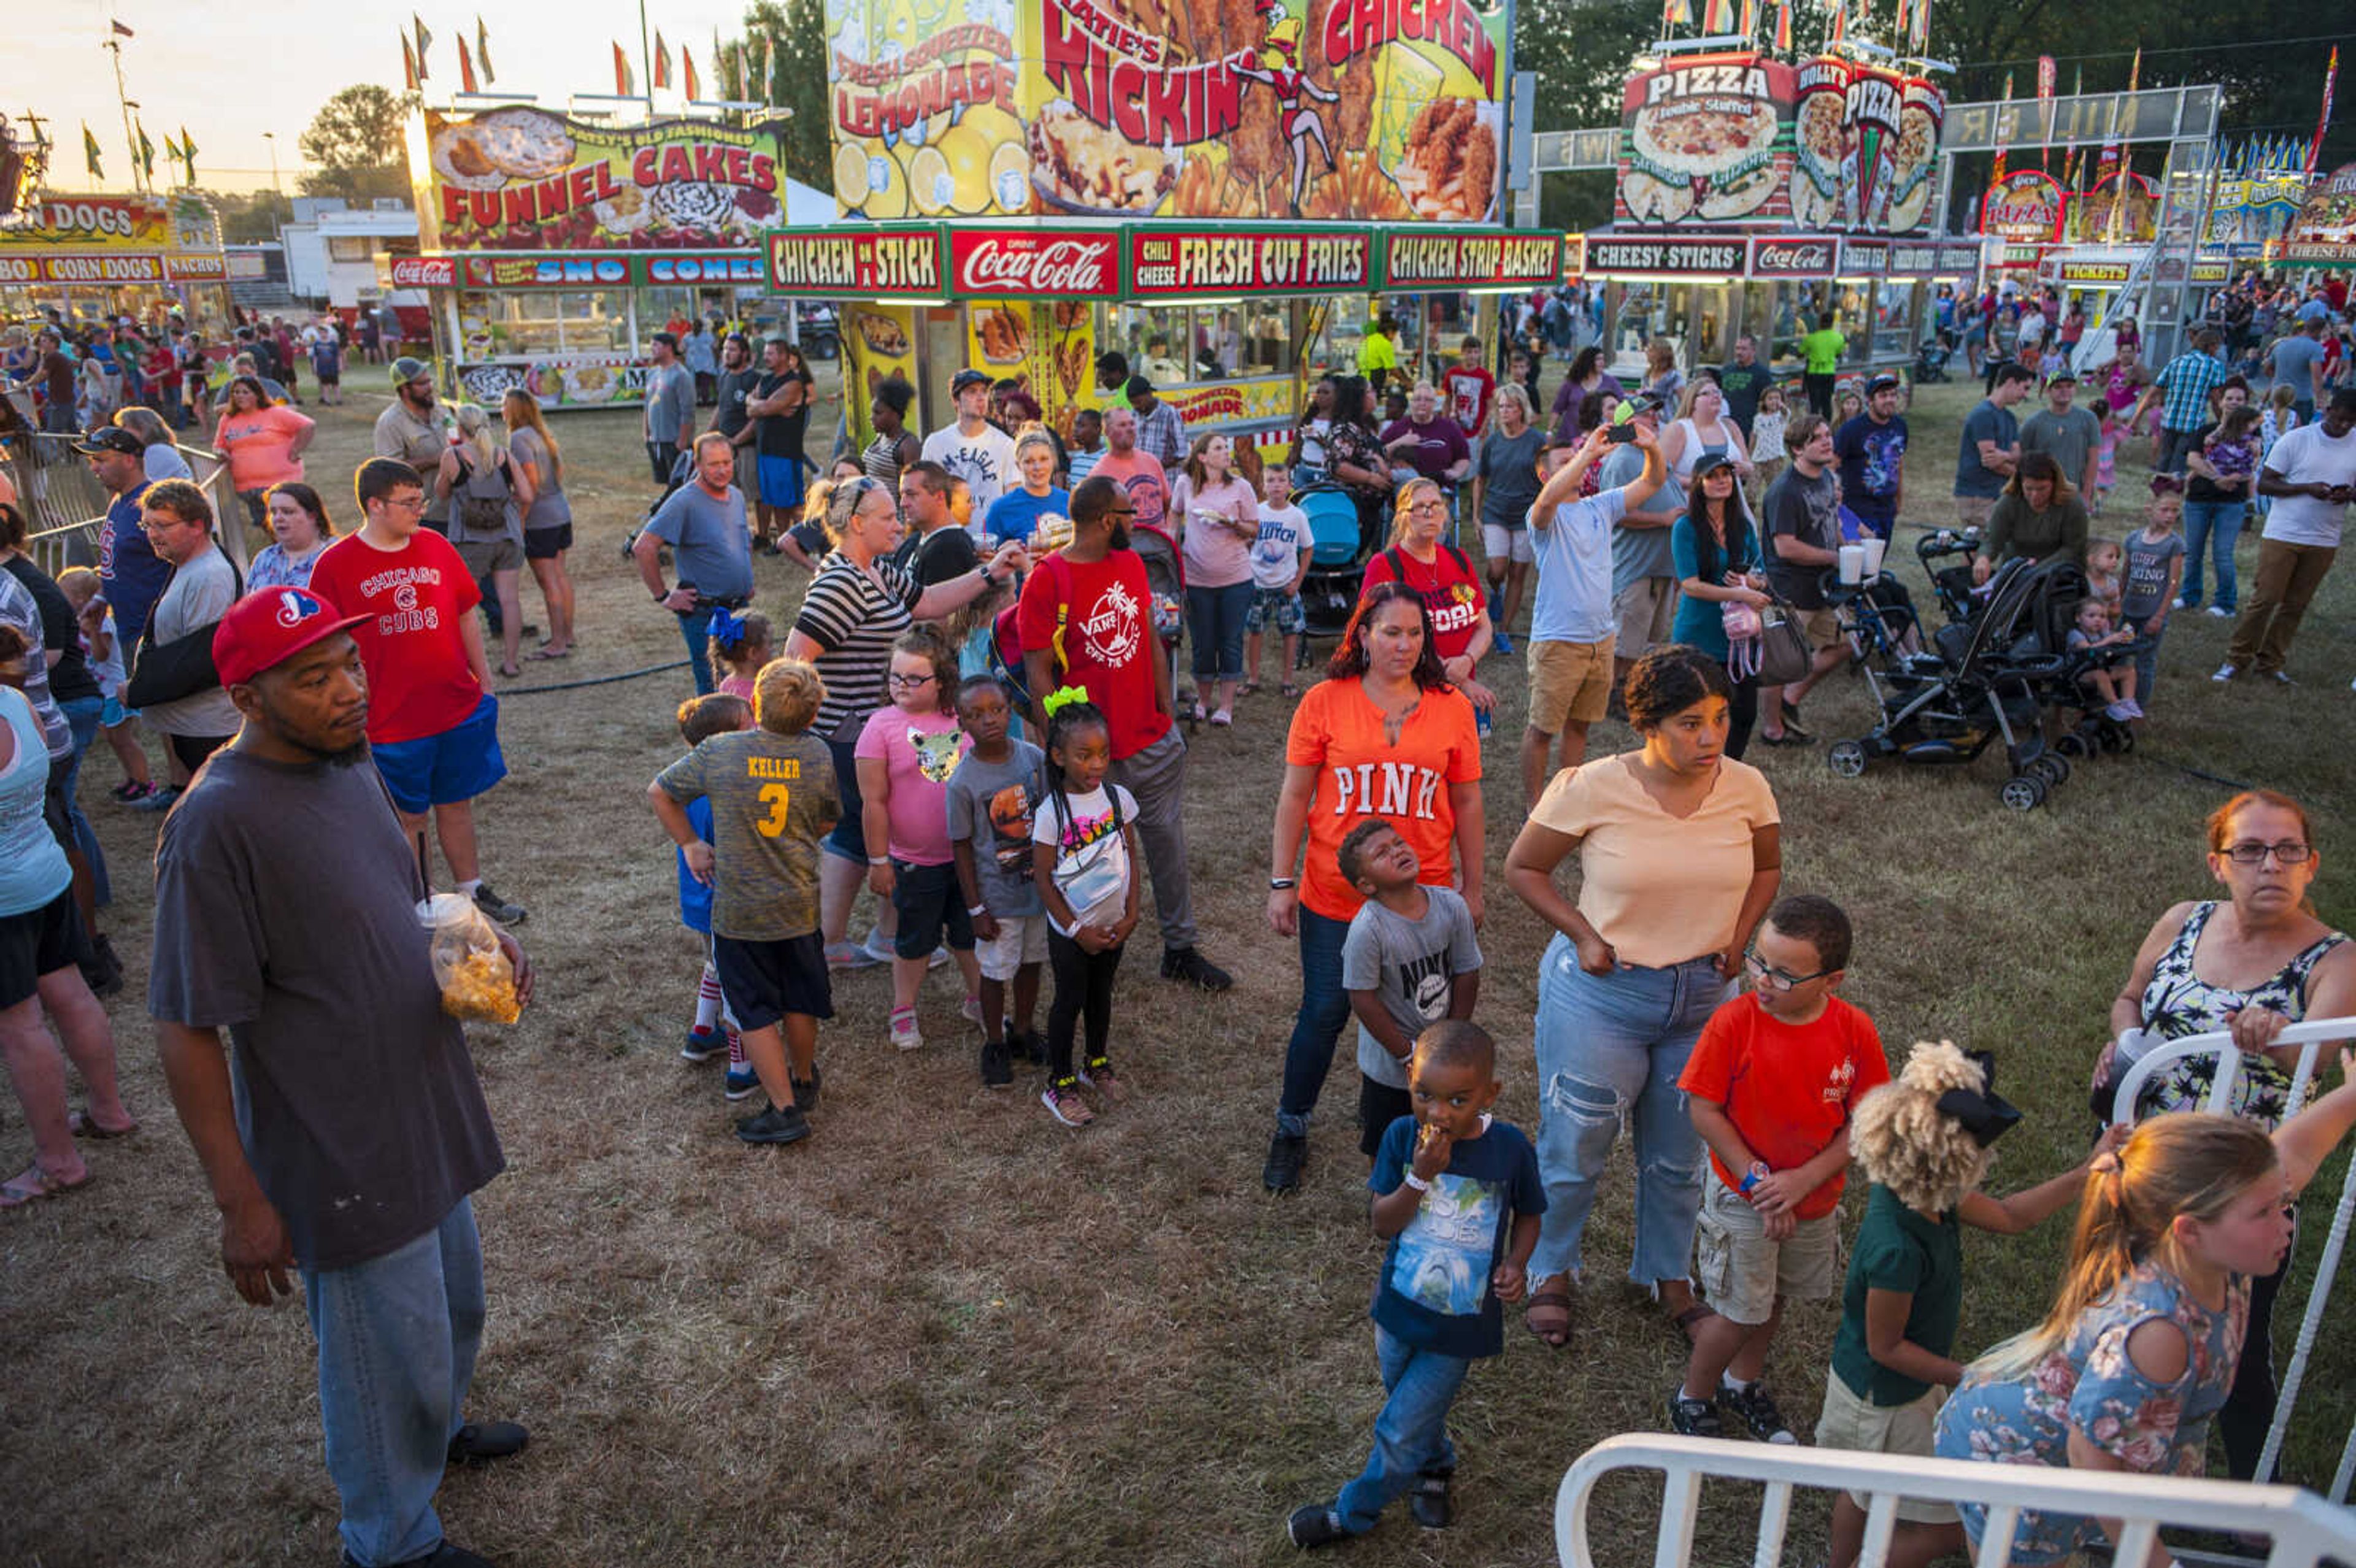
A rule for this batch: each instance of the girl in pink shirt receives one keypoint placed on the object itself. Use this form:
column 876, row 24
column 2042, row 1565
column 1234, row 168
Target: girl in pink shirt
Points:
column 905, row 756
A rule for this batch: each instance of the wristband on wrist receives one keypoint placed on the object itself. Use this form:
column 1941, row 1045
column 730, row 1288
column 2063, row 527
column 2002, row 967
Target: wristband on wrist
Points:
column 1418, row 1182
column 1281, row 884
column 977, row 909
column 879, row 859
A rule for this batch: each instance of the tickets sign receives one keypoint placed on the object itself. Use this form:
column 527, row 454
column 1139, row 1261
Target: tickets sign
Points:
column 1163, row 263
column 876, row 263
column 1034, row 263
column 1412, row 259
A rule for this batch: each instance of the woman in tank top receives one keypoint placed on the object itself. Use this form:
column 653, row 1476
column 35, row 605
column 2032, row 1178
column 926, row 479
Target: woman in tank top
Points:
column 1702, row 430
column 894, row 447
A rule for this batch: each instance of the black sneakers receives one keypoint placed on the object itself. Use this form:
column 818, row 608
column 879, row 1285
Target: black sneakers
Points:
column 497, row 907
column 778, row 1125
column 997, row 1064
column 1693, row 1417
column 1433, row 1501
column 478, row 1441
column 805, row 1090
column 1188, row 964
column 1757, row 1413
column 1286, row 1152
column 1314, row 1525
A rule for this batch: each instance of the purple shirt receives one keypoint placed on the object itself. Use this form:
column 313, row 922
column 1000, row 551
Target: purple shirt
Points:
column 1439, row 446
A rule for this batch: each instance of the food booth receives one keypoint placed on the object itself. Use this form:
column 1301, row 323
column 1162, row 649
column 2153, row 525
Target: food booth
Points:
column 1753, row 194
column 2323, row 234
column 553, row 249
column 95, row 258
column 1219, row 194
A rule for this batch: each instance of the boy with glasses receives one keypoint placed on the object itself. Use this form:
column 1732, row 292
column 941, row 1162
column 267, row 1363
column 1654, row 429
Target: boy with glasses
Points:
column 1771, row 1087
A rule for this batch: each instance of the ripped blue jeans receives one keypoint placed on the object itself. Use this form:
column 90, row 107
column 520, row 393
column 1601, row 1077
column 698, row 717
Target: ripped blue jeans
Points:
column 1609, row 1050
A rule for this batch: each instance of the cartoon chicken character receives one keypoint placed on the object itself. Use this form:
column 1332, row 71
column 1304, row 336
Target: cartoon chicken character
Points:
column 1278, row 69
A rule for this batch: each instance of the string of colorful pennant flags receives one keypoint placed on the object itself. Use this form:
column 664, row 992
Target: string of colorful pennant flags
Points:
column 1718, row 20
column 750, row 69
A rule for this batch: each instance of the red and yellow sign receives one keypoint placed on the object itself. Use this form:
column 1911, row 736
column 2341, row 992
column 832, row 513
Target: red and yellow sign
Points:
column 2025, row 207
column 1179, row 262
column 854, row 263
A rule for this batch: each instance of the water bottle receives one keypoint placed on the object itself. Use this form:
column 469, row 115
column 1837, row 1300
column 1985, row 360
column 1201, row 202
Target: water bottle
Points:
column 1480, row 722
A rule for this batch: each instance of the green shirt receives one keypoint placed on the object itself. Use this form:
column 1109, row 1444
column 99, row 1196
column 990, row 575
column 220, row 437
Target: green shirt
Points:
column 1376, row 353
column 773, row 798
column 1899, row 1250
column 1823, row 348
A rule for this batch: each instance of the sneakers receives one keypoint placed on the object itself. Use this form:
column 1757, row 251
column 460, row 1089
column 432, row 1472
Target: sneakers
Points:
column 849, row 955
column 2281, row 678
column 479, row 1441
column 1433, row 1501
column 1029, row 1043
column 997, row 1064
column 971, row 1010
column 1099, row 1076
column 2119, row 711
column 131, row 790
column 806, row 1089
column 1499, row 643
column 742, row 1085
column 905, row 1033
column 1693, row 1417
column 1063, row 1101
column 1286, row 1152
column 1758, row 1412
column 2219, row 612
column 159, row 798
column 1188, row 964
column 497, row 907
column 2225, row 672
column 778, row 1125
column 2135, row 709
column 1314, row 1526
column 703, row 1044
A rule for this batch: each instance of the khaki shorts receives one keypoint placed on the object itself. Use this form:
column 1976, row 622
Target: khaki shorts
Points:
column 1972, row 511
column 1644, row 609
column 748, row 468
column 1568, row 682
column 1849, row 1421
column 1022, row 939
column 1823, row 627
column 1742, row 1271
column 492, row 555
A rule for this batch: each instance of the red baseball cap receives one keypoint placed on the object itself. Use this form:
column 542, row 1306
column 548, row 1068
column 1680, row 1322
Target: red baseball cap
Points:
column 265, row 629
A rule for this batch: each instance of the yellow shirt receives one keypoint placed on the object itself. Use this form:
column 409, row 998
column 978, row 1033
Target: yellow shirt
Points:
column 1376, row 353
column 1660, row 889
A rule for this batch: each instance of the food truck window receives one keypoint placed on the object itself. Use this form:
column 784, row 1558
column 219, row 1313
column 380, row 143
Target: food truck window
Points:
column 1893, row 321
column 1158, row 342
column 1855, row 303
column 597, row 320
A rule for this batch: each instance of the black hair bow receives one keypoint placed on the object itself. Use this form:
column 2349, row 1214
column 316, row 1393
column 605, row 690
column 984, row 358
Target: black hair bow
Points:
column 1985, row 1114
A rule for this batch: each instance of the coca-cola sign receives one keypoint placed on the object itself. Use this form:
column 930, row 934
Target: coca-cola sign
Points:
column 1164, row 262
column 425, row 271
column 988, row 264
column 1806, row 257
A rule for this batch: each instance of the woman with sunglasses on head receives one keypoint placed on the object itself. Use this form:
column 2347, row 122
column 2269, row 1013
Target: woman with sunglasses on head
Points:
column 1443, row 576
column 857, row 606
column 2252, row 963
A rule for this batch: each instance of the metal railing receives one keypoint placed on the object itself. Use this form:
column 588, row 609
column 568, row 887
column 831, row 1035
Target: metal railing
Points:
column 65, row 505
column 2303, row 1528
column 2312, row 1036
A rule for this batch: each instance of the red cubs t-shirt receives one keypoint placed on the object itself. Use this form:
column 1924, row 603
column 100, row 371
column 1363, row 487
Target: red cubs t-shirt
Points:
column 417, row 596
column 1095, row 618
column 1449, row 589
column 1787, row 1088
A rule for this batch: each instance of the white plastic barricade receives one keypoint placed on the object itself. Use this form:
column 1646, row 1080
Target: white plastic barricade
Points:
column 2305, row 1529
column 2312, row 1035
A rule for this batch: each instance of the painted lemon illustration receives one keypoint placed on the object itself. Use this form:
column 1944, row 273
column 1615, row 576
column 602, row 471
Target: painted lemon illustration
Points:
column 887, row 189
column 972, row 146
column 930, row 182
column 1010, row 177
column 850, row 172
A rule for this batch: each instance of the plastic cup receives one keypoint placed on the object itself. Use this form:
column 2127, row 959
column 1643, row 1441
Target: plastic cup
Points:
column 1852, row 563
column 1873, row 552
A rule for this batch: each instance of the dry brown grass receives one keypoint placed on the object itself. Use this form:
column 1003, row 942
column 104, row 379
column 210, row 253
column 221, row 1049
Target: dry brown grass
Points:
column 947, row 1331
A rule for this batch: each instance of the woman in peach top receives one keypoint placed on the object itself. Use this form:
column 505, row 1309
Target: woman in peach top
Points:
column 262, row 443
column 1679, row 856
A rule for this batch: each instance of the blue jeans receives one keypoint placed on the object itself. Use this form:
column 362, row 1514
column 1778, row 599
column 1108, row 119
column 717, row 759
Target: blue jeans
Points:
column 1411, row 1432
column 2218, row 525
column 1610, row 1049
column 1324, row 1008
column 695, row 626
column 1215, row 617
column 397, row 1340
column 2146, row 665
column 82, row 717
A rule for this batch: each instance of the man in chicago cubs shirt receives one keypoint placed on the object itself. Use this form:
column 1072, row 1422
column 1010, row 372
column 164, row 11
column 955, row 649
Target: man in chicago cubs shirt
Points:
column 1087, row 620
column 433, row 723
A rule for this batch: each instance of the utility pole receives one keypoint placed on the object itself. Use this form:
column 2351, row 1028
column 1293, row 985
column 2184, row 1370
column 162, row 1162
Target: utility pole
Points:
column 271, row 137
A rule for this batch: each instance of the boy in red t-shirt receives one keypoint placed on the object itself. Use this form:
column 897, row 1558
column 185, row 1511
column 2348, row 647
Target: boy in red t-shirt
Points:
column 1771, row 1086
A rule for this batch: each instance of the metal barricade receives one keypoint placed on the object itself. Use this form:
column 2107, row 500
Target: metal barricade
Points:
column 65, row 505
column 2305, row 1531
column 2311, row 1035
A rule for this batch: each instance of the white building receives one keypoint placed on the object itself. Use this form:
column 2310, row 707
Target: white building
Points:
column 333, row 251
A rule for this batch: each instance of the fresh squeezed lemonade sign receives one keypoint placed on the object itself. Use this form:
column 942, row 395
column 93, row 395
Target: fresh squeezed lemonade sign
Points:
column 922, row 102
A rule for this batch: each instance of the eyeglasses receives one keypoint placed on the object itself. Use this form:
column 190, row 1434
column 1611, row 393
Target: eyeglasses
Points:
column 1428, row 506
column 906, row 682
column 1776, row 979
column 2290, row 852
column 406, row 504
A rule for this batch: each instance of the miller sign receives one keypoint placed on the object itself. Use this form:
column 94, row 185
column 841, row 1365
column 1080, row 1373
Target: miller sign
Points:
column 995, row 264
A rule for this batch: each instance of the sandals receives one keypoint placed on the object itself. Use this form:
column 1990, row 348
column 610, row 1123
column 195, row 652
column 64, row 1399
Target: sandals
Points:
column 83, row 1125
column 1290, row 689
column 1222, row 719
column 33, row 1184
column 1686, row 1322
column 543, row 653
column 1246, row 689
column 1554, row 1328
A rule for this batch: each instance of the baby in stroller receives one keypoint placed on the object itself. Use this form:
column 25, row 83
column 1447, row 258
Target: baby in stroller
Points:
column 2107, row 679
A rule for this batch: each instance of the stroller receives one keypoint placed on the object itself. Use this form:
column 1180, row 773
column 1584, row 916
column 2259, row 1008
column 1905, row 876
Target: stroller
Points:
column 1976, row 685
column 1337, row 558
column 1950, row 581
column 1931, row 361
column 2058, row 588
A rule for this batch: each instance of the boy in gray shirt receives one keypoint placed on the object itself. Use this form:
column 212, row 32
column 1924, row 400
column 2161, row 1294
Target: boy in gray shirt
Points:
column 991, row 796
column 1410, row 961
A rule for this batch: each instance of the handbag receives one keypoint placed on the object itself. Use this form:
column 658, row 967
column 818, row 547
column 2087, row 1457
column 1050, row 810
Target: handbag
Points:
column 167, row 672
column 1785, row 652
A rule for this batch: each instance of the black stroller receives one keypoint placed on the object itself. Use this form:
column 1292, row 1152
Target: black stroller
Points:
column 1931, row 361
column 2058, row 588
column 1964, row 692
column 1948, row 556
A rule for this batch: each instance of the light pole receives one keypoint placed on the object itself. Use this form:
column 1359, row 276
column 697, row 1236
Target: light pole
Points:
column 271, row 137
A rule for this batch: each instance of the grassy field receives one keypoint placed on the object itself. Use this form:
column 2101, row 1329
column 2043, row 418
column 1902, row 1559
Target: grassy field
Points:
column 946, row 1330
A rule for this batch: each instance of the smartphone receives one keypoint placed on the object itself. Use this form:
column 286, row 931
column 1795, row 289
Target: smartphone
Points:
column 1621, row 434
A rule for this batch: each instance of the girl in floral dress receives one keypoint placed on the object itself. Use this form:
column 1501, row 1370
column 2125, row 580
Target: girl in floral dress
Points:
column 2136, row 1357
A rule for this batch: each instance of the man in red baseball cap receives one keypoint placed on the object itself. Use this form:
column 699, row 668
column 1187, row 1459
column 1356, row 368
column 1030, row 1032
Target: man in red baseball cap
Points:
column 286, row 902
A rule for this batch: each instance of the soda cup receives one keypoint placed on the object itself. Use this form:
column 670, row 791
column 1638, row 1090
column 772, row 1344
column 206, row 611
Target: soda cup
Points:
column 1480, row 722
column 1852, row 563
column 1874, row 548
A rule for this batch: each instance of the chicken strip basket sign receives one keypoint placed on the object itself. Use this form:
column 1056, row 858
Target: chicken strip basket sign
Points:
column 1341, row 110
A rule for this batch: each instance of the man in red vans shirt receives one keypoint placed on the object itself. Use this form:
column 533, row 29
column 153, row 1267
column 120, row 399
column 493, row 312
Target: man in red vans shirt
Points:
column 1087, row 620
column 433, row 724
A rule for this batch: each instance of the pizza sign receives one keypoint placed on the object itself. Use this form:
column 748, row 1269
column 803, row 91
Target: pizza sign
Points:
column 1871, row 108
column 1701, row 142
column 2026, row 205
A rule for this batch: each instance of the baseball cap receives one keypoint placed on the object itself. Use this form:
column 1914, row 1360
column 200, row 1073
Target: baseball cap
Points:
column 109, row 438
column 1137, row 387
column 265, row 629
column 1881, row 384
column 2063, row 374
column 968, row 378
column 1709, row 463
column 1629, row 408
column 406, row 369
